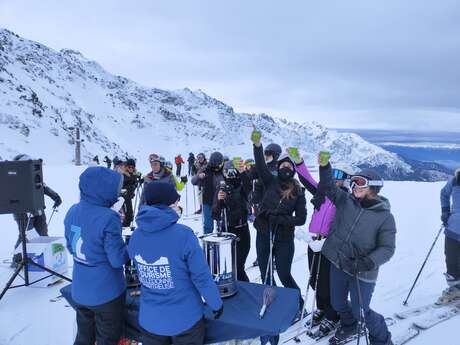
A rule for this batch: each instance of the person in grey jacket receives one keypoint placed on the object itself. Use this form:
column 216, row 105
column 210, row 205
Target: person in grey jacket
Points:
column 361, row 239
column 451, row 220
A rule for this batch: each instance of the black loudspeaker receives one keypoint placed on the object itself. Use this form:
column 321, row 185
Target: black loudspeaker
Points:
column 21, row 186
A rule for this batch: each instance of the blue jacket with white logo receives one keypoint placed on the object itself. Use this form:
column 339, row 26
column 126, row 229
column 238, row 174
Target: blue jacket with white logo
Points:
column 451, row 191
column 93, row 234
column 173, row 272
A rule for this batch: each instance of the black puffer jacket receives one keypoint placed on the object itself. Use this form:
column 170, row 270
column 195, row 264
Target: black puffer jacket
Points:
column 293, row 212
column 209, row 184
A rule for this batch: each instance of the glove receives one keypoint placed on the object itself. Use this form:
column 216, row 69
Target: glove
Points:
column 218, row 313
column 57, row 202
column 355, row 266
column 184, row 179
column 294, row 155
column 318, row 200
column 445, row 215
column 256, row 136
column 323, row 158
column 317, row 245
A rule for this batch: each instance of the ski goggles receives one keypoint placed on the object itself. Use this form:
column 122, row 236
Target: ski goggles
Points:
column 339, row 174
column 361, row 182
column 154, row 158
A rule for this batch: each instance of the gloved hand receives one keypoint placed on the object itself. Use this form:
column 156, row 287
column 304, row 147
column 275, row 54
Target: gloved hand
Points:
column 318, row 200
column 218, row 313
column 323, row 158
column 355, row 266
column 57, row 202
column 317, row 245
column 184, row 179
column 293, row 153
column 445, row 215
column 255, row 137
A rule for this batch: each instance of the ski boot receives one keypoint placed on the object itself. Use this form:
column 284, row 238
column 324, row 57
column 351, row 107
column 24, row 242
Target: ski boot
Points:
column 344, row 335
column 449, row 295
column 318, row 316
column 326, row 327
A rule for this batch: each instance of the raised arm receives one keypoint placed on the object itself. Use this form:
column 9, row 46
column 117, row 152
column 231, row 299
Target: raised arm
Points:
column 328, row 187
column 306, row 179
column 262, row 170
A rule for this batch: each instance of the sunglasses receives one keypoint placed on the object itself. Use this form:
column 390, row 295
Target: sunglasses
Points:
column 361, row 182
column 339, row 174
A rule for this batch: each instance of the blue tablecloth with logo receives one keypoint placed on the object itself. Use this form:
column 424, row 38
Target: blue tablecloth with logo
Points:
column 240, row 319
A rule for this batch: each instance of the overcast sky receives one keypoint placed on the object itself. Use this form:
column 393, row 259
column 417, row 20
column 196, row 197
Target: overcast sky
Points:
column 352, row 64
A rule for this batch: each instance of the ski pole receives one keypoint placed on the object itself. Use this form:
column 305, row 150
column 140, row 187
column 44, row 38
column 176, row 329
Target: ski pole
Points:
column 362, row 319
column 313, row 307
column 51, row 217
column 423, row 265
column 194, row 199
column 186, row 198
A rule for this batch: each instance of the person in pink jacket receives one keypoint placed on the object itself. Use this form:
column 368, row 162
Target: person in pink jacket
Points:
column 322, row 218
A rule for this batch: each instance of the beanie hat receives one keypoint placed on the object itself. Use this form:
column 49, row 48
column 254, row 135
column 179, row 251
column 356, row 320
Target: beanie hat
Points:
column 284, row 157
column 216, row 159
column 160, row 193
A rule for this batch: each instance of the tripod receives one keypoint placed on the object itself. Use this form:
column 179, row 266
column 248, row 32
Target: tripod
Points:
column 23, row 223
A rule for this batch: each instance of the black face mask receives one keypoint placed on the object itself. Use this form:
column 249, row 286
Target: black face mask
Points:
column 285, row 174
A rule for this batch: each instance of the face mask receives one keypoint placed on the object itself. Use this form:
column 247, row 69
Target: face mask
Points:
column 285, row 174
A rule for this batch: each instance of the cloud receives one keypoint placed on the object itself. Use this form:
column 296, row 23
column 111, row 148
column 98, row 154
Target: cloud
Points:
column 386, row 64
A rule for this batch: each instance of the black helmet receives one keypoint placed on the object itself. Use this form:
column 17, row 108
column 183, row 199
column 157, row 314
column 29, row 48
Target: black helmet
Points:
column 273, row 150
column 130, row 162
column 216, row 160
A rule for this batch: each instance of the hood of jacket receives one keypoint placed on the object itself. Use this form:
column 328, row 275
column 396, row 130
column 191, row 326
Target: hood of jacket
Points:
column 100, row 186
column 156, row 218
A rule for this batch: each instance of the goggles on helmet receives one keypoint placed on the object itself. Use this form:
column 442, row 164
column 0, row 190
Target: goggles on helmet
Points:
column 339, row 174
column 361, row 182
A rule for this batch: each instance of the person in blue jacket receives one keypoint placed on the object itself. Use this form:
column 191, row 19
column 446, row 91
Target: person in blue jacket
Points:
column 450, row 217
column 93, row 235
column 173, row 272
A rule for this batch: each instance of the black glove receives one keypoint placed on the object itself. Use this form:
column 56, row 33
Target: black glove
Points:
column 355, row 266
column 445, row 215
column 184, row 179
column 57, row 202
column 218, row 313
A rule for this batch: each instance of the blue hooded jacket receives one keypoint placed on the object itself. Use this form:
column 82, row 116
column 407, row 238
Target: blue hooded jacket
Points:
column 93, row 234
column 452, row 190
column 173, row 272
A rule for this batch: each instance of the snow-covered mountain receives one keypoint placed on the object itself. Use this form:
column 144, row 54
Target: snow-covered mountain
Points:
column 44, row 93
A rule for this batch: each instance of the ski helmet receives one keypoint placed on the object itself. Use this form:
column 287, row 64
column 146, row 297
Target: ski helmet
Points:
column 216, row 160
column 273, row 150
column 157, row 158
column 168, row 165
column 130, row 162
column 375, row 180
column 226, row 158
column 229, row 171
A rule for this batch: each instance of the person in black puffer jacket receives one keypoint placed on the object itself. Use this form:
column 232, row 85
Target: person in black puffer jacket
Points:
column 282, row 208
column 233, row 198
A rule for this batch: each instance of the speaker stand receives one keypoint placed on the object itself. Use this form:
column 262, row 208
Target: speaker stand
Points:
column 25, row 261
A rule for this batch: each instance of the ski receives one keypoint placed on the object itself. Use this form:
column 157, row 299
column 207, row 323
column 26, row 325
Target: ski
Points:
column 437, row 317
column 417, row 311
column 406, row 336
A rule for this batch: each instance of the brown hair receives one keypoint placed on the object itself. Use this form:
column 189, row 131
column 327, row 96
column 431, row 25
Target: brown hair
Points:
column 290, row 189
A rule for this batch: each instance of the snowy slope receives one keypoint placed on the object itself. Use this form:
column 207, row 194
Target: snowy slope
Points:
column 27, row 316
column 44, row 92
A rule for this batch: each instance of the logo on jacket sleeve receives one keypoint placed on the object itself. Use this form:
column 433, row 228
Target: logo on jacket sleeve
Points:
column 155, row 275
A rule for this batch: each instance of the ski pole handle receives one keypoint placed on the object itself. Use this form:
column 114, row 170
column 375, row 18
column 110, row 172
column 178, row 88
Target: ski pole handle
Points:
column 262, row 311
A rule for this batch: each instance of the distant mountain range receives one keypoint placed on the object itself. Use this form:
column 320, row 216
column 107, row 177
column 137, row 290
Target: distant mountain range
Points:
column 45, row 93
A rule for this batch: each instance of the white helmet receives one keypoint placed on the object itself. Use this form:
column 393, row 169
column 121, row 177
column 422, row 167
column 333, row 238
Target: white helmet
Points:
column 346, row 168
